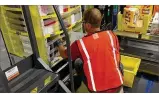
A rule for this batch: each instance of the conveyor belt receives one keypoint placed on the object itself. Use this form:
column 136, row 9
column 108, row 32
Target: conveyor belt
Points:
column 141, row 53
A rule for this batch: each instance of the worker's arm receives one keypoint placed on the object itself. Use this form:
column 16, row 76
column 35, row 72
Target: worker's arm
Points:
column 61, row 48
column 62, row 51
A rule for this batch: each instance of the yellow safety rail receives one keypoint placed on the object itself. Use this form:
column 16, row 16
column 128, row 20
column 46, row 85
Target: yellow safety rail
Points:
column 10, row 35
column 12, row 28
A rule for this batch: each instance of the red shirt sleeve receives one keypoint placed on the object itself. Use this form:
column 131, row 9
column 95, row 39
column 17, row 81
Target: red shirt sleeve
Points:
column 75, row 53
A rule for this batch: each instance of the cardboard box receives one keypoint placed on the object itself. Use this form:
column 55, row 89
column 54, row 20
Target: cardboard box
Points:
column 146, row 10
column 131, row 16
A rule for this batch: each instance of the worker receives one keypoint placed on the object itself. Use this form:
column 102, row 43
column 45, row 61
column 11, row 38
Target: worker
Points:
column 99, row 52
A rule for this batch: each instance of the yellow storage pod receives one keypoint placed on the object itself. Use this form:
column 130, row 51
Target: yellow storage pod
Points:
column 142, row 25
column 10, row 28
column 131, row 66
column 47, row 29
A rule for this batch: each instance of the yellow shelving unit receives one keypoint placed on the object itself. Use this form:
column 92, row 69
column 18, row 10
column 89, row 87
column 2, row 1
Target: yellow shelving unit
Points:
column 56, row 33
column 13, row 29
column 49, row 16
column 71, row 11
column 13, row 9
column 46, row 35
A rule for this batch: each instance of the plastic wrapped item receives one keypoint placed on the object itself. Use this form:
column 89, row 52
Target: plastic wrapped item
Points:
column 78, row 16
column 155, row 24
column 73, row 21
column 48, row 22
column 63, row 8
column 48, row 30
column 26, row 45
column 56, row 26
column 45, row 10
column 131, row 16
column 67, row 22
column 155, row 31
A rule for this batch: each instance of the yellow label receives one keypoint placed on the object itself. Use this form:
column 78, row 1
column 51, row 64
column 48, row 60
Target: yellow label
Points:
column 35, row 90
column 47, row 80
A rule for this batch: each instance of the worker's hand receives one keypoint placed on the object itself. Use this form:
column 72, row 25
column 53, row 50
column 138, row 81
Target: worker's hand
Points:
column 121, row 67
column 58, row 43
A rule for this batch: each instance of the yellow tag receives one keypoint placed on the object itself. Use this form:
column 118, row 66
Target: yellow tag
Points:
column 47, row 80
column 35, row 90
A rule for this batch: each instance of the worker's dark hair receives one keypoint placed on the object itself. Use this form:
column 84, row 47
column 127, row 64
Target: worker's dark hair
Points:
column 93, row 16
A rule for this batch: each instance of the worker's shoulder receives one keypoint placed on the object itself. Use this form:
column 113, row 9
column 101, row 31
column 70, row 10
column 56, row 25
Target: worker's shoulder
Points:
column 74, row 44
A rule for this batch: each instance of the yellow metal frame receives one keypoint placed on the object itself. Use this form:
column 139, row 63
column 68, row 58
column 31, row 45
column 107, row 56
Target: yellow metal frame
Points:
column 11, row 37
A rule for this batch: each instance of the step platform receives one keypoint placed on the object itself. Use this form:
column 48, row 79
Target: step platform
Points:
column 34, row 81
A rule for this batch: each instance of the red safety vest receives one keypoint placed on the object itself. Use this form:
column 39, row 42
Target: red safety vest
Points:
column 101, row 61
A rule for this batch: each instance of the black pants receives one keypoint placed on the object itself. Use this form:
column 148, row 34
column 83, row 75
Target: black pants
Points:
column 78, row 64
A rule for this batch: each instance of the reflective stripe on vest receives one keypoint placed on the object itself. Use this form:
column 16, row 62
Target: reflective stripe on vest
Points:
column 115, row 58
column 98, row 77
column 89, row 64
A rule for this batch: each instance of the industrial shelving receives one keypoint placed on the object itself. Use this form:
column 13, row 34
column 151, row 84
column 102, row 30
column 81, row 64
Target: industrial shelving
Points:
column 14, row 31
column 48, row 30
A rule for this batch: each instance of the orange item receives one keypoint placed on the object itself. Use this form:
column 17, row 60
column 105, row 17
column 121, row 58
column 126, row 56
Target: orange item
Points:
column 156, row 9
column 146, row 10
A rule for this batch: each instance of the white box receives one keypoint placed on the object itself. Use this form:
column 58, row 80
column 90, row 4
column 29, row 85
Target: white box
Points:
column 61, row 7
column 45, row 10
column 73, row 19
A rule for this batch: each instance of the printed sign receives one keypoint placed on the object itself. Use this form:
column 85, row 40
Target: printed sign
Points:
column 12, row 73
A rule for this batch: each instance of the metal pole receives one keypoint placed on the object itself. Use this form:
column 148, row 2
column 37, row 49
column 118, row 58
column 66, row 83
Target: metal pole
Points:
column 68, row 46
column 33, row 41
column 30, row 29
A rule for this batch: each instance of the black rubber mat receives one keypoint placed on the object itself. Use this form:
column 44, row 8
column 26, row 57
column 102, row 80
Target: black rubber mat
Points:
column 31, row 79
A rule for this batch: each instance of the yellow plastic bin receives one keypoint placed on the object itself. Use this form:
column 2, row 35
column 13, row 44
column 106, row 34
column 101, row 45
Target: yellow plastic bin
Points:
column 131, row 66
